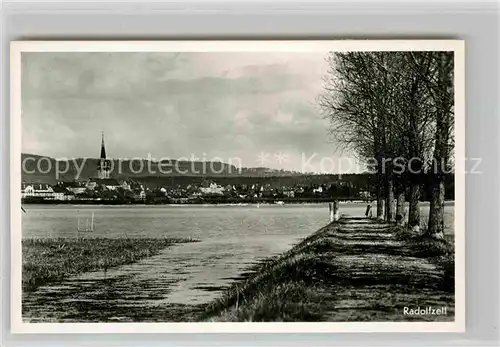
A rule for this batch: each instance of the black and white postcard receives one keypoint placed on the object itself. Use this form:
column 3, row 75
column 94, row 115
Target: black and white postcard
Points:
column 238, row 186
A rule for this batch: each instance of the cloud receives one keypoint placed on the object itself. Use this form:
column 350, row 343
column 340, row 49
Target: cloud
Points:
column 173, row 104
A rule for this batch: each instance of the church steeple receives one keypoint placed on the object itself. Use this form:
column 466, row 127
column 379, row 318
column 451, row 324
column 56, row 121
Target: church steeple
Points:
column 103, row 148
column 103, row 165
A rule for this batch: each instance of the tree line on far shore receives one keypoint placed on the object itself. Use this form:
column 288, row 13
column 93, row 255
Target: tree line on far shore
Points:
column 393, row 110
column 305, row 188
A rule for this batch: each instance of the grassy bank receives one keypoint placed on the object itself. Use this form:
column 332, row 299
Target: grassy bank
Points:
column 440, row 252
column 339, row 274
column 51, row 260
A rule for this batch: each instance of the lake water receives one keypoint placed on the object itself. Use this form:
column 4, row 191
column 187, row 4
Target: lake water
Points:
column 232, row 238
column 208, row 222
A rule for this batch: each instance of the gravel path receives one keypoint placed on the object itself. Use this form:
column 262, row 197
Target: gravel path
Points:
column 378, row 276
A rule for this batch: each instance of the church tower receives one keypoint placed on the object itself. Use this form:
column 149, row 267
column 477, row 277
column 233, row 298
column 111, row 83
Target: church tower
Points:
column 104, row 165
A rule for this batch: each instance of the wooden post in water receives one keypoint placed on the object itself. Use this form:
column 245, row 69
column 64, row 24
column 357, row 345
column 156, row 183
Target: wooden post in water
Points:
column 333, row 208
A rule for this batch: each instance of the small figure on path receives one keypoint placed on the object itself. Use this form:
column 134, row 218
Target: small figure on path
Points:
column 368, row 212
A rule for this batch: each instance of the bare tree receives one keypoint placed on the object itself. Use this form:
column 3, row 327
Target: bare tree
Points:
column 416, row 110
column 356, row 113
column 438, row 80
column 380, row 106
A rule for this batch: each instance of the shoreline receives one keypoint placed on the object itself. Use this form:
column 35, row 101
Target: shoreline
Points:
column 295, row 285
column 100, row 203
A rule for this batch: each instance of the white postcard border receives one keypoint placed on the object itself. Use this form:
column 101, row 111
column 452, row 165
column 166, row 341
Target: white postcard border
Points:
column 18, row 47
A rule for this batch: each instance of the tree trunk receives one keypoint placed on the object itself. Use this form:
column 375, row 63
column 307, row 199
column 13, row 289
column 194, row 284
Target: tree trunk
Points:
column 444, row 121
column 389, row 199
column 414, row 208
column 400, row 206
column 435, row 227
column 380, row 208
column 380, row 196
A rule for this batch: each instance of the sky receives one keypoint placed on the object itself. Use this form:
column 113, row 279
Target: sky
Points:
column 250, row 109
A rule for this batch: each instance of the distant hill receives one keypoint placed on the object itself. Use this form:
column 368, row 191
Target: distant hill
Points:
column 43, row 169
column 265, row 171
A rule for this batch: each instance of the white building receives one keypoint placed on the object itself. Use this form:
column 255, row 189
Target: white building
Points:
column 211, row 188
column 40, row 190
column 45, row 191
column 318, row 190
